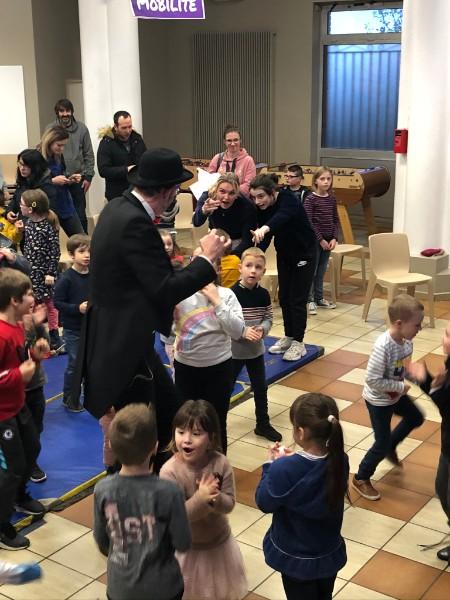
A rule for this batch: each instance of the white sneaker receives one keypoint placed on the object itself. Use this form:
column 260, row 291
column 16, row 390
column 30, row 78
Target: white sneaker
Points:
column 312, row 308
column 281, row 345
column 325, row 304
column 295, row 352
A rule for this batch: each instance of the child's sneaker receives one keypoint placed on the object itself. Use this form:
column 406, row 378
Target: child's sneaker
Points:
column 28, row 505
column 325, row 303
column 281, row 345
column 37, row 474
column 312, row 308
column 17, row 574
column 365, row 488
column 10, row 539
column 266, row 430
column 295, row 351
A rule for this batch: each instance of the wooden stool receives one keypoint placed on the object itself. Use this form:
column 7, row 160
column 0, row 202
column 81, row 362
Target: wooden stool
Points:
column 338, row 254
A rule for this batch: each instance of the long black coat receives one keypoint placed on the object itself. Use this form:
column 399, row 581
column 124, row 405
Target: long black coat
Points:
column 133, row 291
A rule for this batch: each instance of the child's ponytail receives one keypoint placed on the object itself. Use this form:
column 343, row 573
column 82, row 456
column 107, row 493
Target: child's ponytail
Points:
column 319, row 414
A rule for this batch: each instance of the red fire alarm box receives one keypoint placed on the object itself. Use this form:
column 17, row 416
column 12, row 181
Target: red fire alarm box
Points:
column 401, row 141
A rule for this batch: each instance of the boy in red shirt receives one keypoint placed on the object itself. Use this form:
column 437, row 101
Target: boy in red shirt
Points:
column 19, row 441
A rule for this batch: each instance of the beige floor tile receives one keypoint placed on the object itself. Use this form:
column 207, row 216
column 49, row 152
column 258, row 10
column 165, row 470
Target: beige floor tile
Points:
column 432, row 516
column 341, row 404
column 354, row 433
column 428, row 333
column 255, row 565
column 315, row 337
column 335, row 342
column 356, row 592
column 354, row 376
column 277, row 330
column 348, row 319
column 282, row 420
column 242, row 517
column 357, row 556
column 247, row 409
column 426, row 344
column 54, row 534
column 94, row 591
column 327, row 327
column 238, row 426
column 82, row 555
column 272, row 588
column 58, row 583
column 282, row 394
column 403, row 449
column 368, row 527
column 360, row 347
column 406, row 543
column 338, row 585
column 247, row 457
column 371, row 336
column 254, row 534
column 429, row 409
column 252, row 438
column 354, row 332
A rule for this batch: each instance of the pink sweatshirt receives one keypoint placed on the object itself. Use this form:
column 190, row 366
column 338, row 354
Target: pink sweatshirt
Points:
column 244, row 168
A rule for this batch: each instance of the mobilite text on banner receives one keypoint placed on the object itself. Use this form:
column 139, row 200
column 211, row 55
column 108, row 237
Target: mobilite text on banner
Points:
column 168, row 9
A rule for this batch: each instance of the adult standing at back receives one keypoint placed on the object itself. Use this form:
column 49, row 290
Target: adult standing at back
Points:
column 134, row 289
column 119, row 151
column 235, row 159
column 78, row 154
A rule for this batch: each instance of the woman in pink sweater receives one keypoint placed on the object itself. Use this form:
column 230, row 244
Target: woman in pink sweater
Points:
column 234, row 159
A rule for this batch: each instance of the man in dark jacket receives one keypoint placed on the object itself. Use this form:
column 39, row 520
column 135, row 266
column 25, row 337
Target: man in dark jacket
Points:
column 119, row 151
column 133, row 292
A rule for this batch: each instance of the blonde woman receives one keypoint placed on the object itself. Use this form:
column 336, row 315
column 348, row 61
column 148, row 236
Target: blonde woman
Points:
column 52, row 147
column 225, row 208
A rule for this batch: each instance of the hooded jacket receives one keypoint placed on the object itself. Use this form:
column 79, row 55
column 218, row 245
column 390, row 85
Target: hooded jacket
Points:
column 78, row 152
column 304, row 540
column 113, row 160
column 243, row 166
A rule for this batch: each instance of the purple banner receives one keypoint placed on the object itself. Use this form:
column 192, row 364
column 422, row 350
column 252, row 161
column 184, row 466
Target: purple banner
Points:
column 168, row 9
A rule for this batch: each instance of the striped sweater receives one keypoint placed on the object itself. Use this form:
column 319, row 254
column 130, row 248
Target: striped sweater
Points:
column 386, row 371
column 322, row 212
column 257, row 310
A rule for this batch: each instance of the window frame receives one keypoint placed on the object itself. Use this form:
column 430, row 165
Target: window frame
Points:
column 325, row 39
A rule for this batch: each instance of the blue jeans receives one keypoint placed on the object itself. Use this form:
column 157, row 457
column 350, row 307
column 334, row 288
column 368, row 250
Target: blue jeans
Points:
column 72, row 339
column 385, row 440
column 322, row 258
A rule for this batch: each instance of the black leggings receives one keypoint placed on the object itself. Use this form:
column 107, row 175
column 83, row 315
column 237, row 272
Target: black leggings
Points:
column 314, row 589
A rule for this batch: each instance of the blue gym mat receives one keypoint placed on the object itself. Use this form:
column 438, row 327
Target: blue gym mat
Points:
column 71, row 452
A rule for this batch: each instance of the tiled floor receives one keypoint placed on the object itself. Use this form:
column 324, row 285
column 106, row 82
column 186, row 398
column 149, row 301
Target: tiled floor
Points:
column 383, row 538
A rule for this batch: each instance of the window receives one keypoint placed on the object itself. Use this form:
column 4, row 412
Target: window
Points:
column 361, row 67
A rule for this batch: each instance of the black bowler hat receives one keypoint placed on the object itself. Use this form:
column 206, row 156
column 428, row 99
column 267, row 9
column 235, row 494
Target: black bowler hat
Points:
column 158, row 167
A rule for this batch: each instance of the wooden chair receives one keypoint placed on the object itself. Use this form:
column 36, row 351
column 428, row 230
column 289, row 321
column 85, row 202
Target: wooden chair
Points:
column 338, row 254
column 389, row 260
column 270, row 279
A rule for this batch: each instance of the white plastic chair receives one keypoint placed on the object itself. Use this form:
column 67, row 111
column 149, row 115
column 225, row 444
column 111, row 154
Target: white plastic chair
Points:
column 389, row 260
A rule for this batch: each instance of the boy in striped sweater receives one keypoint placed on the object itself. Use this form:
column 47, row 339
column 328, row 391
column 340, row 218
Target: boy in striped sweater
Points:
column 385, row 391
column 249, row 350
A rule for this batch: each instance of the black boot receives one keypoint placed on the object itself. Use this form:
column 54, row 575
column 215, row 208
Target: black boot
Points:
column 56, row 342
column 267, row 431
column 444, row 554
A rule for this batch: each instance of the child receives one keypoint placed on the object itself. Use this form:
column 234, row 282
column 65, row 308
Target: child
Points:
column 41, row 249
column 139, row 519
column 294, row 180
column 385, row 391
column 281, row 216
column 305, row 492
column 249, row 350
column 213, row 569
column 7, row 229
column 34, row 391
column 320, row 206
column 206, row 322
column 71, row 294
column 438, row 388
column 19, row 442
column 171, row 247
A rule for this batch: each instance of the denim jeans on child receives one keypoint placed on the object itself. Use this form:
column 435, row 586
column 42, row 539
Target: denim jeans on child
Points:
column 72, row 339
column 322, row 258
column 385, row 441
